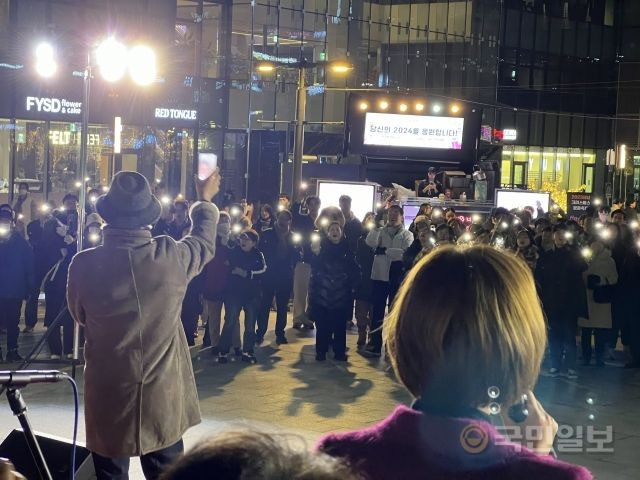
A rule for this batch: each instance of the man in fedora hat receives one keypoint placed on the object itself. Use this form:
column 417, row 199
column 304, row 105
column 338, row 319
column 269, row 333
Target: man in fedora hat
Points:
column 139, row 390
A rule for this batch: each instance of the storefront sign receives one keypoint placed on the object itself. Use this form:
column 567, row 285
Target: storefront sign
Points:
column 65, row 137
column 53, row 105
column 577, row 204
column 509, row 134
column 175, row 114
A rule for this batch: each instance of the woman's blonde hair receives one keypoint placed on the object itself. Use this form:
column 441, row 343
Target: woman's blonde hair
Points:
column 463, row 321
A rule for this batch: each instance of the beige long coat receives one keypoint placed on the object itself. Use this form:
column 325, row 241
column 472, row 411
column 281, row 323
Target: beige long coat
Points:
column 139, row 389
column 600, row 313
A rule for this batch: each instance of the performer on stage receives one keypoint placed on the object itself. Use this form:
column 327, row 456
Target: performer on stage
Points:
column 139, row 389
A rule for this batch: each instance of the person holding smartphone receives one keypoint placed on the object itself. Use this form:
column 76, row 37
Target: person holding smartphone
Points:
column 466, row 364
column 140, row 394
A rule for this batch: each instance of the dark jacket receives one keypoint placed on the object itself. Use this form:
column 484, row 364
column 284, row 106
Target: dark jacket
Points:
column 410, row 254
column 262, row 226
column 17, row 277
column 55, row 287
column 280, row 255
column 245, row 286
column 35, row 232
column 364, row 259
column 353, row 231
column 177, row 232
column 558, row 274
column 334, row 274
column 216, row 274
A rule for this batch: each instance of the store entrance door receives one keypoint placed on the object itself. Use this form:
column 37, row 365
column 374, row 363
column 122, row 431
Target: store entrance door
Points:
column 520, row 174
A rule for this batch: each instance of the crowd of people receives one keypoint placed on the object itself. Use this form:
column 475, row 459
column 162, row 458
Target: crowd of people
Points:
column 330, row 268
column 519, row 279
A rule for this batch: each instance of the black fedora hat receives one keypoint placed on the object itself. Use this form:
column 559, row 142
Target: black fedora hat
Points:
column 129, row 202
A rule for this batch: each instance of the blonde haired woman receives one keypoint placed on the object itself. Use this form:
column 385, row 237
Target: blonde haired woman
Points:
column 462, row 361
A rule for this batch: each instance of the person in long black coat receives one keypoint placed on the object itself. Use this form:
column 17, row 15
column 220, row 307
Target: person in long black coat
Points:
column 334, row 273
column 558, row 274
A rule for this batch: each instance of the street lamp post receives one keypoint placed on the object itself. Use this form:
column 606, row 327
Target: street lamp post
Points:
column 113, row 60
column 298, row 139
column 301, row 105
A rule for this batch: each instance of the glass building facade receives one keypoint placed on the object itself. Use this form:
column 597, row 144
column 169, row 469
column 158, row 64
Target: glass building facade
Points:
column 547, row 68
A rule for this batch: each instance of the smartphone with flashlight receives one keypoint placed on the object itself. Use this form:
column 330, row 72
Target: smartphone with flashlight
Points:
column 207, row 164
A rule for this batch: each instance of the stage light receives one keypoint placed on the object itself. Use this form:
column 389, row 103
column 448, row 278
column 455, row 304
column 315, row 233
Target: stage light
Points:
column 142, row 65
column 266, row 67
column 363, row 106
column 111, row 57
column 436, row 108
column 46, row 65
column 455, row 108
column 403, row 107
column 419, row 107
column 384, row 105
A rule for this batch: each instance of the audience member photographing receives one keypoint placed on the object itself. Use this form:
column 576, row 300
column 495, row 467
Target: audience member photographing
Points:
column 459, row 360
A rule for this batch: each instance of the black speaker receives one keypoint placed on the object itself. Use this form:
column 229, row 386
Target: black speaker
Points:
column 56, row 451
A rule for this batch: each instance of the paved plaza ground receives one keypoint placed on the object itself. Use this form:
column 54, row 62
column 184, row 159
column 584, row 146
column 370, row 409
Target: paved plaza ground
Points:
column 288, row 391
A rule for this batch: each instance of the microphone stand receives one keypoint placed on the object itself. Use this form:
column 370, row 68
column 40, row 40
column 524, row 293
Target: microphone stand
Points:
column 19, row 409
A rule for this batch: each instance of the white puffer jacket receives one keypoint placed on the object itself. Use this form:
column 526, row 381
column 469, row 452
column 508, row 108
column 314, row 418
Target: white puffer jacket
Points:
column 396, row 241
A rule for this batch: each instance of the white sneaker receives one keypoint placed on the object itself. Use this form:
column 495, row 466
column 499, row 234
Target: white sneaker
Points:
column 572, row 374
column 54, row 357
column 554, row 372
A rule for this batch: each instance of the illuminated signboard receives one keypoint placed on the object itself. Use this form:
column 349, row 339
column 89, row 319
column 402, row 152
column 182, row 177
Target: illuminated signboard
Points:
column 485, row 133
column 175, row 114
column 53, row 105
column 509, row 134
column 65, row 137
column 413, row 131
